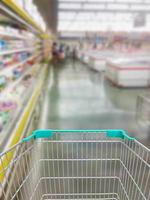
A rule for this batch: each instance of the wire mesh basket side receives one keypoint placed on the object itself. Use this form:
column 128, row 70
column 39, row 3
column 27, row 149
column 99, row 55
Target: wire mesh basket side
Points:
column 17, row 178
column 135, row 170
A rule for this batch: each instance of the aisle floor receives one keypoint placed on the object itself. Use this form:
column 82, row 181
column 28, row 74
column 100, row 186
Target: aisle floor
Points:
column 80, row 98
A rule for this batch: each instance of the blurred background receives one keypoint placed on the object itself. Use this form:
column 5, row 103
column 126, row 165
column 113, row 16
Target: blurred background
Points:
column 74, row 64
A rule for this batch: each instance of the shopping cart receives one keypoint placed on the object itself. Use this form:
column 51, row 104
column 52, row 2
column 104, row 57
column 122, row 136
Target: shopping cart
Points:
column 76, row 164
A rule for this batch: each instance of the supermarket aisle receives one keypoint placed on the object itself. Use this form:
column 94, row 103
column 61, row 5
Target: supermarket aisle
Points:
column 80, row 98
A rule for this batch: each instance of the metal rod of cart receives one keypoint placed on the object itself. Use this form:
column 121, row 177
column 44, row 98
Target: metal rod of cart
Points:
column 76, row 164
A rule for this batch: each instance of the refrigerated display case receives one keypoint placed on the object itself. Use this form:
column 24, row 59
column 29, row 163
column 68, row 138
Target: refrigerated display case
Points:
column 23, row 47
column 129, row 72
column 99, row 58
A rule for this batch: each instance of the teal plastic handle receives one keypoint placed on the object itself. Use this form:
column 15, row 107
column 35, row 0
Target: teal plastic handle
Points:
column 37, row 134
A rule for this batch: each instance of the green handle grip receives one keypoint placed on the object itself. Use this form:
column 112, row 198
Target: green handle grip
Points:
column 37, row 134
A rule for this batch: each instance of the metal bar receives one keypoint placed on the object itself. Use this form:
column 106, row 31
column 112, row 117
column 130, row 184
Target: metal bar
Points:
column 79, row 177
column 28, row 49
column 20, row 20
column 88, row 20
column 104, row 2
column 22, row 14
column 94, row 141
column 81, row 194
column 78, row 159
column 146, row 98
column 79, row 141
column 106, row 10
column 133, row 181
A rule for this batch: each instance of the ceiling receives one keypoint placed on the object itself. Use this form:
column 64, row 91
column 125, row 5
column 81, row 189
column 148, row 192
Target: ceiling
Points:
column 102, row 15
column 95, row 15
column 48, row 9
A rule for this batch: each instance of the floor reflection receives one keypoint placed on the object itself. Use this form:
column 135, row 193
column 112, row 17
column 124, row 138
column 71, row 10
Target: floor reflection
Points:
column 80, row 98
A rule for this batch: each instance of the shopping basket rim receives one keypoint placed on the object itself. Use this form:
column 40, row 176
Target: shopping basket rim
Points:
column 48, row 133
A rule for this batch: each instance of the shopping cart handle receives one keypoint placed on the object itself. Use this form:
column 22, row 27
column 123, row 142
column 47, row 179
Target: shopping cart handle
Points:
column 114, row 133
column 38, row 134
column 121, row 134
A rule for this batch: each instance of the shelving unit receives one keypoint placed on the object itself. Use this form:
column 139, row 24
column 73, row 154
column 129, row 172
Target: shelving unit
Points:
column 17, row 81
column 24, row 101
column 10, row 7
column 9, row 35
column 11, row 67
column 16, row 51
column 22, row 75
column 24, row 45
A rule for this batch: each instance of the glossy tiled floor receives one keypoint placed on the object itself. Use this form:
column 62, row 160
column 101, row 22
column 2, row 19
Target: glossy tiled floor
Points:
column 80, row 98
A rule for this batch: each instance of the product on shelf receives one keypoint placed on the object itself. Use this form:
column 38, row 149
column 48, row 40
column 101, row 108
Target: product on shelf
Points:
column 4, row 119
column 17, row 73
column 7, row 61
column 3, row 82
column 27, row 80
column 7, row 105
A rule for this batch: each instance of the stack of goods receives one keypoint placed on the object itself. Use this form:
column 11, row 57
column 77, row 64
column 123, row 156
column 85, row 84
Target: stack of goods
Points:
column 7, row 107
column 11, row 59
column 13, row 100
column 22, row 62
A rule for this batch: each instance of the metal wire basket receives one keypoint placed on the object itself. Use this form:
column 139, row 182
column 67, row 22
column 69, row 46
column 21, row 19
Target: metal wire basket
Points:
column 76, row 164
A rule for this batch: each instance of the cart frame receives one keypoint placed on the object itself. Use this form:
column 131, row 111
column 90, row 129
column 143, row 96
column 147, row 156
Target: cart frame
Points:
column 76, row 164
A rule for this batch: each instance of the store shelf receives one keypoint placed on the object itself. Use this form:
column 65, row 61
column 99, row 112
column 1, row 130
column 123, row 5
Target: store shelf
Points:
column 20, row 88
column 2, row 53
column 11, row 86
column 10, row 89
column 22, row 14
column 15, row 132
column 16, row 36
column 10, row 68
